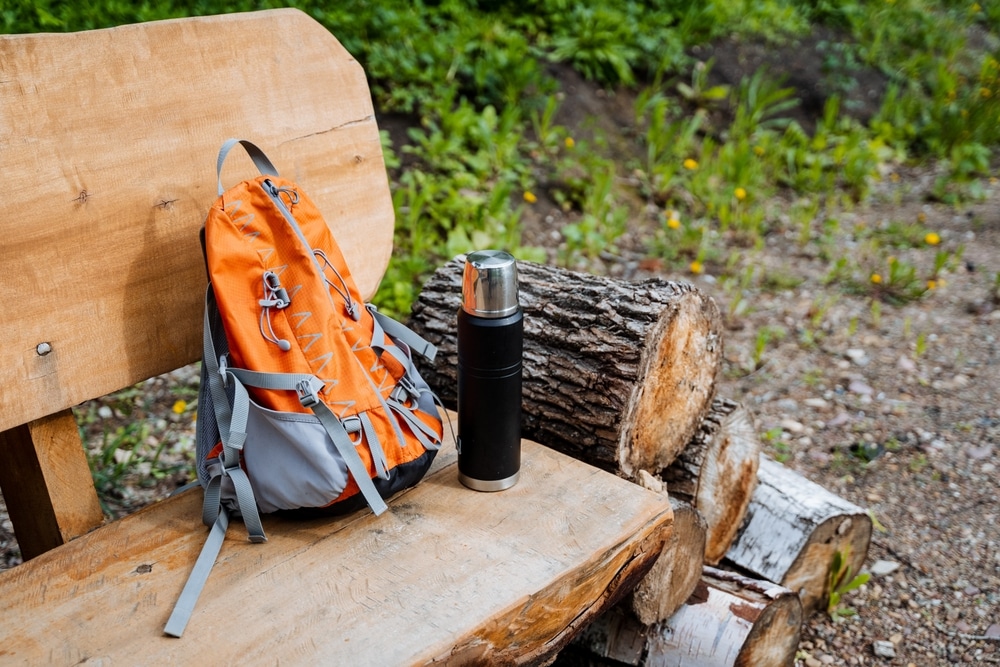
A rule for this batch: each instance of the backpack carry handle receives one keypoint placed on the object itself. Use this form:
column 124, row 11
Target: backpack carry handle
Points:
column 257, row 155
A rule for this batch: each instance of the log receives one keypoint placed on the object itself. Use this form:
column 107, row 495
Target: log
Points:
column 616, row 374
column 792, row 530
column 730, row 620
column 676, row 572
column 717, row 473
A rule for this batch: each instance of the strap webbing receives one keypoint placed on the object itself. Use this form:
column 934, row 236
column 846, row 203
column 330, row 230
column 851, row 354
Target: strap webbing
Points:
column 403, row 333
column 199, row 575
column 257, row 155
column 334, row 428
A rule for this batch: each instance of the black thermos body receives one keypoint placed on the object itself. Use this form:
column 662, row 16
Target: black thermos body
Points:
column 490, row 335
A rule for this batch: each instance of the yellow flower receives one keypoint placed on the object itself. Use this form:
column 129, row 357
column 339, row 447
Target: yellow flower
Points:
column 569, row 142
column 690, row 164
column 876, row 278
column 758, row 150
column 179, row 406
column 696, row 267
column 932, row 238
column 530, row 197
column 740, row 193
column 975, row 7
column 931, row 284
column 673, row 222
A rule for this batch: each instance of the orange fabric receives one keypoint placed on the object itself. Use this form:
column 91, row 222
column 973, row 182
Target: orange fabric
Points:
column 247, row 235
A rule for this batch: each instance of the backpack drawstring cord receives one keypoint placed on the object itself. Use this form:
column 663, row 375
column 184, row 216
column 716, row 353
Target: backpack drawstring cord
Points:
column 342, row 290
column 275, row 296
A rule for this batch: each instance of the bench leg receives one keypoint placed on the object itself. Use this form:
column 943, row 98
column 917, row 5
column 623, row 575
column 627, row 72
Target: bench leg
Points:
column 46, row 483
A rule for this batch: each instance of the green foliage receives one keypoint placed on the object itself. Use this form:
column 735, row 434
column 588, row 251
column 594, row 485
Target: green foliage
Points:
column 840, row 581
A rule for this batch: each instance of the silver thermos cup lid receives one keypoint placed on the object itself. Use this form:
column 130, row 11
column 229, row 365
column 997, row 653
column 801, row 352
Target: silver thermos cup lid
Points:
column 489, row 284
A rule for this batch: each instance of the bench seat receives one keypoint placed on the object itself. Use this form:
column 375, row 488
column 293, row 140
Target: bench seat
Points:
column 446, row 575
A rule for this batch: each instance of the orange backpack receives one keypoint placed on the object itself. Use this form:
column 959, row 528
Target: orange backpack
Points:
column 309, row 398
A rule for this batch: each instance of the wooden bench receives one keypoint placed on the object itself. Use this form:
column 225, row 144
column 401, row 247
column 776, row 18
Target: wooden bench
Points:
column 108, row 142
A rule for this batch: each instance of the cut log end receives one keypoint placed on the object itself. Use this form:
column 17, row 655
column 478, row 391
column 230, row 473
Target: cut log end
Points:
column 717, row 473
column 676, row 572
column 684, row 352
column 792, row 531
column 848, row 534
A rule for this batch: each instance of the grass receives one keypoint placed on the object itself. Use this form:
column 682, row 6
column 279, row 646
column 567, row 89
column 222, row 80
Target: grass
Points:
column 710, row 167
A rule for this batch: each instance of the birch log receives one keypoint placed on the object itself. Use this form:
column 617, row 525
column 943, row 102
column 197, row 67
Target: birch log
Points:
column 729, row 621
column 792, row 530
column 676, row 572
column 717, row 473
column 617, row 374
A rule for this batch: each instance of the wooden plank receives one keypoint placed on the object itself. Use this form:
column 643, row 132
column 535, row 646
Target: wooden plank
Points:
column 447, row 575
column 108, row 144
column 46, row 483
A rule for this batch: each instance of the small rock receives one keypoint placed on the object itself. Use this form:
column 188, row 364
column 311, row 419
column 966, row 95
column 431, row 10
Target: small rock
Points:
column 818, row 403
column 859, row 387
column 104, row 412
column 963, row 627
column 884, row 649
column 856, row 355
column 896, row 639
column 906, row 365
column 839, row 419
column 792, row 426
column 788, row 405
column 993, row 632
column 880, row 568
column 813, row 662
column 979, row 453
column 821, row 457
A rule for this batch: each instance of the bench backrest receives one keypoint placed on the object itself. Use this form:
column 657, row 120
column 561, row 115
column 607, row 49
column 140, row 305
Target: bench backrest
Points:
column 108, row 142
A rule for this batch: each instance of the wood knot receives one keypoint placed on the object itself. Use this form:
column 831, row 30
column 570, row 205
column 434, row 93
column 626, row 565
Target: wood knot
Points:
column 358, row 159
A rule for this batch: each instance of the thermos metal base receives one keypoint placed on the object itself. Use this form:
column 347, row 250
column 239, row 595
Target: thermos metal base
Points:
column 489, row 485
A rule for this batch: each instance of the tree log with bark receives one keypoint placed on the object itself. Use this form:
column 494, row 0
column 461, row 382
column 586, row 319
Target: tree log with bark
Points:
column 792, row 530
column 730, row 620
column 617, row 374
column 717, row 473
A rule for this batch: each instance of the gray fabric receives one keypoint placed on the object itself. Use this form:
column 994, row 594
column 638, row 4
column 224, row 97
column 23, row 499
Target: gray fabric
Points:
column 184, row 606
column 260, row 160
column 401, row 332
column 292, row 460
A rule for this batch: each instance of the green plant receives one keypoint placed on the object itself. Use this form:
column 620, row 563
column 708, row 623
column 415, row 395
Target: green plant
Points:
column 840, row 581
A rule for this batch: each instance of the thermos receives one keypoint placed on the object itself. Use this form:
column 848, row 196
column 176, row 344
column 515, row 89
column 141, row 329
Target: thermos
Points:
column 490, row 333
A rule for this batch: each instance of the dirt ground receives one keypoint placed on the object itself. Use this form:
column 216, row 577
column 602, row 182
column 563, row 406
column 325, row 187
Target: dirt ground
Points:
column 895, row 410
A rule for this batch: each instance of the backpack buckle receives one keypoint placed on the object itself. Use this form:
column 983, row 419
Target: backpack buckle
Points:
column 307, row 393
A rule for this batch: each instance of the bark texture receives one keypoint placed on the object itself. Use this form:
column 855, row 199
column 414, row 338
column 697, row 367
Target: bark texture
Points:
column 717, row 473
column 792, row 530
column 617, row 374
column 729, row 621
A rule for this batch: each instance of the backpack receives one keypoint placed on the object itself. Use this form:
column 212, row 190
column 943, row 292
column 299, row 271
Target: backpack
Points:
column 309, row 399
